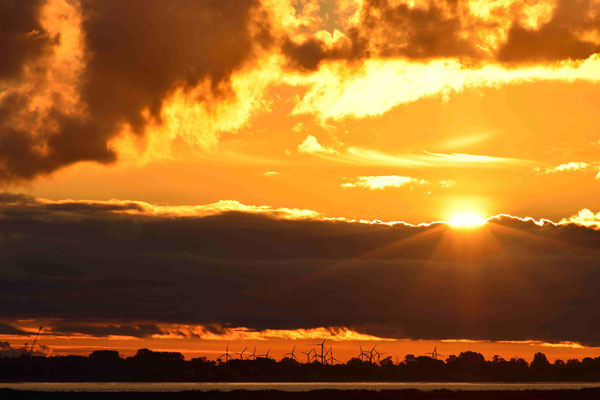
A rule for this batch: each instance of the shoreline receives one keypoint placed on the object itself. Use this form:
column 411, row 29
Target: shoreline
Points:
column 588, row 393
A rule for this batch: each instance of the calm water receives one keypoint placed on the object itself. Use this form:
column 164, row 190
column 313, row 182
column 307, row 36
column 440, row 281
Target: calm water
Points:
column 288, row 387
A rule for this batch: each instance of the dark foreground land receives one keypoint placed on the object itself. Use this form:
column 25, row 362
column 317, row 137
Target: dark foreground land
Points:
column 314, row 395
column 151, row 366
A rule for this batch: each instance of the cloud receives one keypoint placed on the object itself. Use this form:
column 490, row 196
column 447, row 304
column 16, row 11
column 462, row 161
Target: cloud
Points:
column 508, row 31
column 570, row 167
column 69, row 328
column 271, row 173
column 6, row 329
column 245, row 334
column 336, row 91
column 311, row 145
column 512, row 279
column 371, row 157
column 386, row 30
column 74, row 83
column 561, row 38
column 22, row 36
column 72, row 89
column 382, row 182
column 584, row 217
column 23, row 204
column 447, row 183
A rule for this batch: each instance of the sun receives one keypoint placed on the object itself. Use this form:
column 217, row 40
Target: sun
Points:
column 466, row 220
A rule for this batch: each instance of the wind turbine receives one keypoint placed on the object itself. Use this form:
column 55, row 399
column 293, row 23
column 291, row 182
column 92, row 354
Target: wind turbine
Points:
column 241, row 353
column 435, row 354
column 308, row 354
column 293, row 356
column 35, row 338
column 226, row 355
column 362, row 353
column 315, row 356
column 253, row 355
column 322, row 345
column 379, row 354
column 371, row 354
column 266, row 355
column 332, row 359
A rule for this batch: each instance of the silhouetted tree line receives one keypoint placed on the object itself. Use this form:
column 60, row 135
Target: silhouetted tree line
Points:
column 147, row 365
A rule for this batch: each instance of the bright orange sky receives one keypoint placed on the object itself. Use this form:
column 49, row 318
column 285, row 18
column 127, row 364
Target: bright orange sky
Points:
column 356, row 110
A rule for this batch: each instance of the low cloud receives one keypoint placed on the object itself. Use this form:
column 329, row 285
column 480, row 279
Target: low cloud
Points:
column 513, row 279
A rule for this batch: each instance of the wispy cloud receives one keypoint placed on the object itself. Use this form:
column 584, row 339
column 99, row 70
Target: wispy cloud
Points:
column 371, row 157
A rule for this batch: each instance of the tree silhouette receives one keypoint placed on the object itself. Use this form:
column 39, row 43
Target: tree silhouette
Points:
column 148, row 365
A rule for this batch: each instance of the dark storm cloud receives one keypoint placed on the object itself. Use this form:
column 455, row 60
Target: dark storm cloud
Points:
column 390, row 31
column 513, row 281
column 21, row 35
column 418, row 33
column 6, row 329
column 558, row 39
column 448, row 29
column 134, row 330
column 136, row 54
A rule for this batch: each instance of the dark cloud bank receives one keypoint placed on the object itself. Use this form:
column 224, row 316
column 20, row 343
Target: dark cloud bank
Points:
column 81, row 265
column 437, row 29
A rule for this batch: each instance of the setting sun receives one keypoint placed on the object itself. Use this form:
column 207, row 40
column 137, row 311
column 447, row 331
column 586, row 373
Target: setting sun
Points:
column 466, row 221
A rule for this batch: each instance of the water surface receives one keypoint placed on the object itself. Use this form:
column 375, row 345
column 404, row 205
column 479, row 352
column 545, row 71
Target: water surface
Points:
column 283, row 386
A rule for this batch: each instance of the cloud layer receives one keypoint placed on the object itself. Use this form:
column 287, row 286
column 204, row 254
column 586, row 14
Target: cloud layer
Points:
column 116, row 268
column 510, row 32
column 77, row 74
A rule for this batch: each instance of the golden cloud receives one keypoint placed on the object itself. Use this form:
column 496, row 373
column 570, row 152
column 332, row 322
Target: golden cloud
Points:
column 311, row 145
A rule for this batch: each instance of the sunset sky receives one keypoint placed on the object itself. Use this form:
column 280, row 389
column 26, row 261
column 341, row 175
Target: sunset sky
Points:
column 187, row 174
